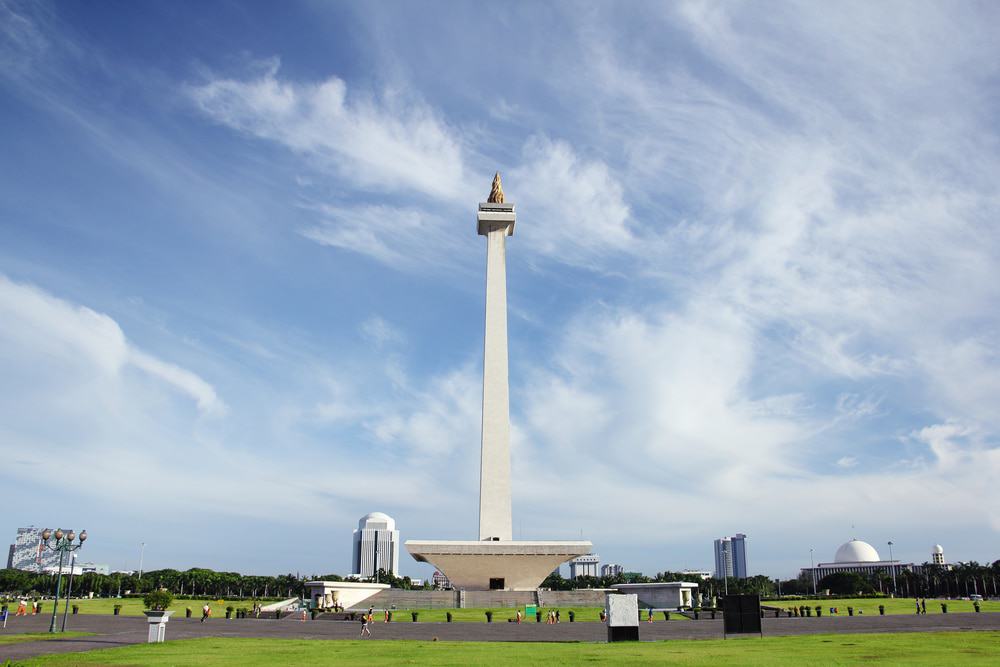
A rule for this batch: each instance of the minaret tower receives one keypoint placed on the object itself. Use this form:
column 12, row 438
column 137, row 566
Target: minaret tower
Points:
column 495, row 222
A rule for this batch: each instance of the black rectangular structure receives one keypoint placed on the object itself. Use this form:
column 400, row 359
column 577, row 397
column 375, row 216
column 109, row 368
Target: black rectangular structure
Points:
column 623, row 633
column 741, row 614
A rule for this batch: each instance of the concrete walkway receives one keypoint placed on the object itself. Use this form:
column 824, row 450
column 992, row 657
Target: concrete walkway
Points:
column 112, row 631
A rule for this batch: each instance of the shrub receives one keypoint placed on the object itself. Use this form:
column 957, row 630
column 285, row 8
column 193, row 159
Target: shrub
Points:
column 944, row 608
column 819, row 611
column 881, row 610
column 850, row 611
column 489, row 616
column 572, row 615
column 118, row 608
column 666, row 616
column 976, row 605
column 448, row 616
column 158, row 600
column 76, row 609
column 187, row 612
column 414, row 615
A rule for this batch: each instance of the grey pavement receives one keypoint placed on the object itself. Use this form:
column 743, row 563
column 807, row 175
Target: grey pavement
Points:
column 111, row 631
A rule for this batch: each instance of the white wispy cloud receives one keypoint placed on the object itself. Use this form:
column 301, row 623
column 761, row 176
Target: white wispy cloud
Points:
column 380, row 332
column 573, row 208
column 388, row 143
column 89, row 341
column 403, row 238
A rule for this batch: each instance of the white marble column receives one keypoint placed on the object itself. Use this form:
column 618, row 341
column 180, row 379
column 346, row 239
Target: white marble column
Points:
column 496, row 222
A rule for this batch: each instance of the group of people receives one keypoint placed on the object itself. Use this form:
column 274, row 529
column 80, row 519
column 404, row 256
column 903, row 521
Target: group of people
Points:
column 553, row 617
column 22, row 608
column 921, row 605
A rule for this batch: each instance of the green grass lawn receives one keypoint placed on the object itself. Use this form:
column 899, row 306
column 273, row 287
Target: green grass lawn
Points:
column 892, row 605
column 931, row 648
column 38, row 636
column 135, row 607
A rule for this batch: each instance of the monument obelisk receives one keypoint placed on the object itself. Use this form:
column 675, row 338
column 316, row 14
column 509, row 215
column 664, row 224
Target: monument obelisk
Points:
column 495, row 222
column 496, row 561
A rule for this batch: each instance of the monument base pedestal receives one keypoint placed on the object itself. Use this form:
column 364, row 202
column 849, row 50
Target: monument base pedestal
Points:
column 513, row 565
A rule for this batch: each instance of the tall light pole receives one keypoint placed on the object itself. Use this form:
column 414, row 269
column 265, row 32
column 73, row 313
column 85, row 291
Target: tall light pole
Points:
column 69, row 588
column 64, row 545
column 892, row 568
column 812, row 568
column 142, row 551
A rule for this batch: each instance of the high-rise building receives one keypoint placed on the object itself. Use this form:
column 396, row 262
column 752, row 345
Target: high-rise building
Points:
column 937, row 555
column 611, row 570
column 376, row 546
column 584, row 566
column 739, row 545
column 731, row 557
column 27, row 552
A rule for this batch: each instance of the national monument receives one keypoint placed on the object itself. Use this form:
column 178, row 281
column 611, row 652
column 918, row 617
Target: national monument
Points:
column 496, row 561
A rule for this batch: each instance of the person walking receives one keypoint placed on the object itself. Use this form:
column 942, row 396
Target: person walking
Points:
column 22, row 608
column 518, row 616
column 365, row 622
column 649, row 615
column 206, row 611
column 923, row 606
column 918, row 606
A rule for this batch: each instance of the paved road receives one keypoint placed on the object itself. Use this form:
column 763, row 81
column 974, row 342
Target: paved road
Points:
column 114, row 631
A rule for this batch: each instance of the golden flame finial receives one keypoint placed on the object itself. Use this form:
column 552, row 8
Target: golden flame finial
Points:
column 496, row 192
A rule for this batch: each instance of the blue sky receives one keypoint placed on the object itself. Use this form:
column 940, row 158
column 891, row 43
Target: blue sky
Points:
column 754, row 285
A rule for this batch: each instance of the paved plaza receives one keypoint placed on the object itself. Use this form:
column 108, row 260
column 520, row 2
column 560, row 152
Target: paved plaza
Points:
column 111, row 631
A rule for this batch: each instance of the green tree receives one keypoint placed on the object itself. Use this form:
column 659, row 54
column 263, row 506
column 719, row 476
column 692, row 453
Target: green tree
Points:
column 845, row 583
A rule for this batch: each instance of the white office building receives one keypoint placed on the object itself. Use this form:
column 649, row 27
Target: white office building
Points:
column 376, row 546
column 611, row 570
column 584, row 566
column 27, row 552
column 731, row 557
column 937, row 555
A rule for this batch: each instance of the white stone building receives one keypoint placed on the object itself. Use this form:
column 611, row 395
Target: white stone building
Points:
column 376, row 546
column 584, row 566
column 611, row 570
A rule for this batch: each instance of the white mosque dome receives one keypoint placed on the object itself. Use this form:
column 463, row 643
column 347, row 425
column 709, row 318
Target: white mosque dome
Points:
column 856, row 551
column 938, row 549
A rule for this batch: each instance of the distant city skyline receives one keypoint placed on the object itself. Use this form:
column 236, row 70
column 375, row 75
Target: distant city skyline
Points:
column 240, row 294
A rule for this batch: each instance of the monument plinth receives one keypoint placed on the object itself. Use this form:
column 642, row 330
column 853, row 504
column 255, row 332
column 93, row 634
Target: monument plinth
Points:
column 496, row 561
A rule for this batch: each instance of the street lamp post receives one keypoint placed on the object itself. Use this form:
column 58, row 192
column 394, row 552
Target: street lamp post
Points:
column 69, row 589
column 142, row 551
column 63, row 544
column 892, row 568
column 812, row 568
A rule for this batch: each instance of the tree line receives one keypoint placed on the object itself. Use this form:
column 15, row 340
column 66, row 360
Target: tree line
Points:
column 932, row 581
column 195, row 582
column 953, row 580
column 956, row 580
